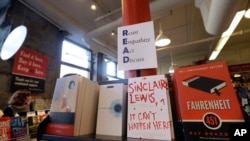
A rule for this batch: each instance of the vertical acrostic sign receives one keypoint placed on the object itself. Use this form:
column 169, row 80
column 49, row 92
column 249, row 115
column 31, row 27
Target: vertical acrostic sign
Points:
column 148, row 108
column 136, row 49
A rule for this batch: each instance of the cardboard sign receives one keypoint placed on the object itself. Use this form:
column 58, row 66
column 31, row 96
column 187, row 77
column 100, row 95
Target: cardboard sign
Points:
column 136, row 48
column 149, row 113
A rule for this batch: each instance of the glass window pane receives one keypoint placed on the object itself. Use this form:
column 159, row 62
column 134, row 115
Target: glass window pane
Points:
column 67, row 70
column 111, row 68
column 74, row 54
column 120, row 74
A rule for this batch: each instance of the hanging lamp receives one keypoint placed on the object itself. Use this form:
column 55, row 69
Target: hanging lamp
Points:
column 162, row 40
column 93, row 5
column 14, row 40
column 172, row 66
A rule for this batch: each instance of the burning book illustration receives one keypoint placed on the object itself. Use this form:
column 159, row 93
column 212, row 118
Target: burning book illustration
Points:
column 206, row 84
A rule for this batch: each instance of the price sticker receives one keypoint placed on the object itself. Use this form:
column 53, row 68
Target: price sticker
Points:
column 212, row 121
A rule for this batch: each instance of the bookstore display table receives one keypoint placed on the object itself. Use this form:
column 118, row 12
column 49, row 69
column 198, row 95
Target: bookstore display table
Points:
column 41, row 135
column 89, row 138
column 64, row 138
column 200, row 111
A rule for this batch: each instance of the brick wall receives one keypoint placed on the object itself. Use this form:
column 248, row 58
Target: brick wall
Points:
column 44, row 38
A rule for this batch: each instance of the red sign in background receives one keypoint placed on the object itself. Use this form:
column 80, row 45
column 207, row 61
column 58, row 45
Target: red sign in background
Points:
column 239, row 67
column 30, row 63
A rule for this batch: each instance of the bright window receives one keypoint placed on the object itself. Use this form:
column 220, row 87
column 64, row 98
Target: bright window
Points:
column 120, row 74
column 75, row 59
column 71, row 70
column 111, row 70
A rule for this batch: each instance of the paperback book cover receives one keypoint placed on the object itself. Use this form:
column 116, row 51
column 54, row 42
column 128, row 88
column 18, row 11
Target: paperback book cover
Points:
column 73, row 108
column 206, row 101
column 112, row 109
column 5, row 129
column 149, row 109
column 13, row 128
column 19, row 127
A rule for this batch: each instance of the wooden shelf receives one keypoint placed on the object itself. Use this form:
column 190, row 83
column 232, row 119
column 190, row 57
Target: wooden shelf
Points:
column 65, row 138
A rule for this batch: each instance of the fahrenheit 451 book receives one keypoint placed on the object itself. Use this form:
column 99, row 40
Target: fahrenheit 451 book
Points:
column 203, row 114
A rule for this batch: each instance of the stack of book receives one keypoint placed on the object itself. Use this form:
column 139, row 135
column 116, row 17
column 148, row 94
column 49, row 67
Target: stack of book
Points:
column 74, row 107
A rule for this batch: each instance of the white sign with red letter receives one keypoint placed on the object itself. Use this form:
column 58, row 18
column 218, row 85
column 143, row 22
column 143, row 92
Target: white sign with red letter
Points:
column 136, row 47
column 149, row 112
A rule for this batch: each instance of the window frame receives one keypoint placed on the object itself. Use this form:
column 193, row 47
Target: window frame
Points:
column 116, row 69
column 89, row 70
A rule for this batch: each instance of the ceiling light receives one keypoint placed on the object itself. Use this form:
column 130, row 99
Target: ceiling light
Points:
column 171, row 69
column 93, row 7
column 112, row 33
column 162, row 40
column 226, row 34
column 214, row 54
column 237, row 75
column 13, row 42
column 238, row 16
column 247, row 14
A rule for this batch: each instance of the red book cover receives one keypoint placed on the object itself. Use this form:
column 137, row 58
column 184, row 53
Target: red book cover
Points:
column 5, row 129
column 61, row 123
column 12, row 128
column 60, row 129
column 63, row 108
column 206, row 100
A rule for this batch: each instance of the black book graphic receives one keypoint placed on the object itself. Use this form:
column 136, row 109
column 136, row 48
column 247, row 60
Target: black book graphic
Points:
column 206, row 84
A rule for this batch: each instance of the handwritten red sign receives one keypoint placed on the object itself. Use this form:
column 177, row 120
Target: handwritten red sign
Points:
column 149, row 115
column 30, row 63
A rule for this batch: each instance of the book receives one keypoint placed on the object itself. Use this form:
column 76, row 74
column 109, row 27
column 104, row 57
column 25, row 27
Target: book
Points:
column 5, row 129
column 149, row 109
column 73, row 108
column 19, row 127
column 201, row 113
column 111, row 116
column 13, row 128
